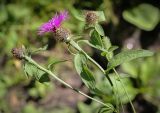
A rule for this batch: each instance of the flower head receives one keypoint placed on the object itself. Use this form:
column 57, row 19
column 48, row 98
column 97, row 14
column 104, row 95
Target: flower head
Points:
column 18, row 52
column 61, row 34
column 53, row 23
column 91, row 17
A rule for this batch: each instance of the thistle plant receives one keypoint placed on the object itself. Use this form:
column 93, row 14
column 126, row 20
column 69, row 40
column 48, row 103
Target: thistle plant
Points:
column 82, row 60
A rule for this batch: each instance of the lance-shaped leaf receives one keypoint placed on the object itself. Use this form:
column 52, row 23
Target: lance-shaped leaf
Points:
column 105, row 109
column 88, row 77
column 101, row 16
column 90, row 44
column 126, row 56
column 96, row 39
column 33, row 71
column 82, row 69
column 99, row 29
column 106, row 42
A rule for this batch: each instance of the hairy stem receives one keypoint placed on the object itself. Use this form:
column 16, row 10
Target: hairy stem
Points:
column 125, row 90
column 30, row 60
column 78, row 48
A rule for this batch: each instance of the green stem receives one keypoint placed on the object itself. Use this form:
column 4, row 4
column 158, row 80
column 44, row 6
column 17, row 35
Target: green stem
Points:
column 30, row 60
column 125, row 90
column 118, row 97
column 78, row 48
column 115, row 88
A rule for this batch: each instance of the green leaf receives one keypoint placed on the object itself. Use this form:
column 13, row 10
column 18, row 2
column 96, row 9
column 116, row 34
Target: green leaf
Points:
column 83, row 108
column 150, row 69
column 126, row 56
column 79, row 60
column 82, row 69
column 90, row 44
column 132, row 92
column 132, row 68
column 144, row 16
column 44, row 78
column 96, row 39
column 106, row 42
column 88, row 77
column 105, row 109
column 101, row 16
column 112, row 48
column 32, row 71
column 87, row 108
column 29, row 69
column 99, row 29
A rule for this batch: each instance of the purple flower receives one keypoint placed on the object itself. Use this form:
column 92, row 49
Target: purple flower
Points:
column 53, row 24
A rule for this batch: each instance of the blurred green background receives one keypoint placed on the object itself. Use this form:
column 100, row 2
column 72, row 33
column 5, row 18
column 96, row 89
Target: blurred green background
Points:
column 129, row 24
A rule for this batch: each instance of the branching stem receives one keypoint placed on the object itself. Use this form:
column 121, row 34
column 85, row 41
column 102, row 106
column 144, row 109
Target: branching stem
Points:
column 125, row 90
column 78, row 48
column 30, row 60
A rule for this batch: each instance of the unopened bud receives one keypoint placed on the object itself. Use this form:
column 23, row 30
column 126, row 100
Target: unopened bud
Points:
column 61, row 34
column 91, row 17
column 18, row 53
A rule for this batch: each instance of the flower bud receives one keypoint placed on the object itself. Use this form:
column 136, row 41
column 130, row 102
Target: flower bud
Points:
column 91, row 17
column 61, row 34
column 18, row 53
